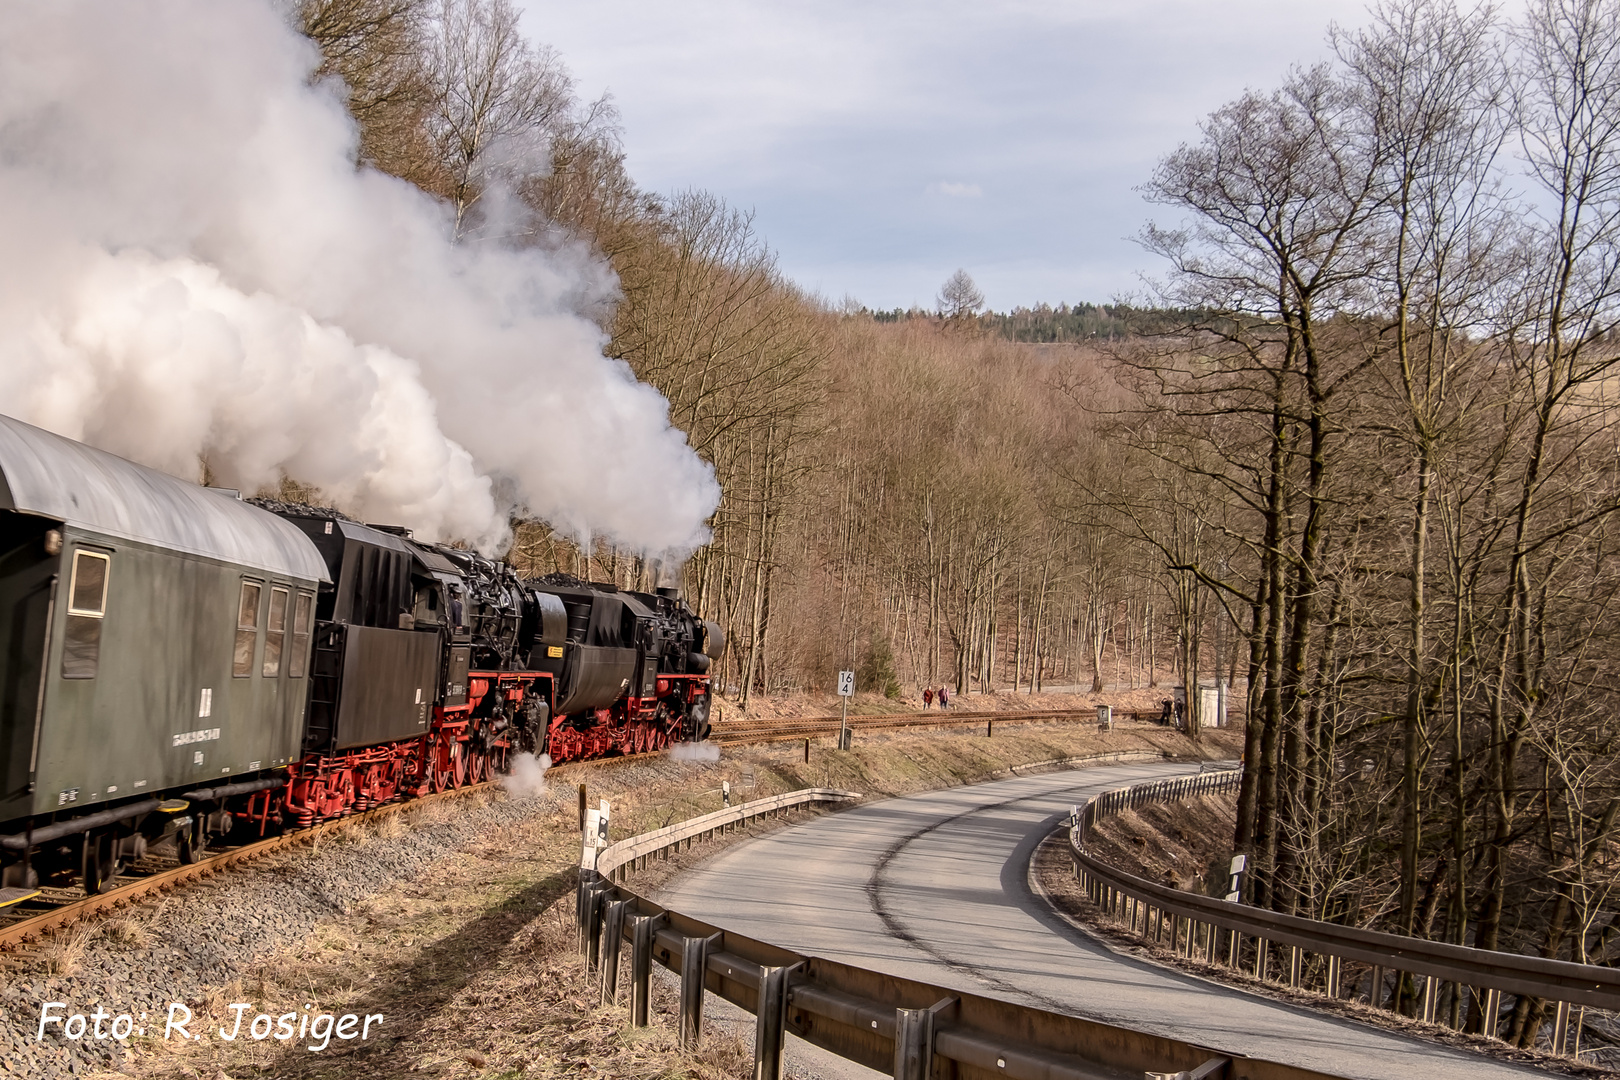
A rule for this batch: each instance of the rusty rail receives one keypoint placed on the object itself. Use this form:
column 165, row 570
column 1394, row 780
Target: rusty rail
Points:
column 1311, row 954
column 35, row 927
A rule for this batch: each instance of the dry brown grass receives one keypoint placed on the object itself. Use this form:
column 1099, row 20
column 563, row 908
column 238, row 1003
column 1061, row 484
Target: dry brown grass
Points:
column 61, row 955
column 351, row 832
column 127, row 931
column 473, row 964
column 389, row 827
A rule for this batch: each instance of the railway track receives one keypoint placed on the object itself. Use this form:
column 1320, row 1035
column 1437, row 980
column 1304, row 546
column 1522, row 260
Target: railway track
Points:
column 53, row 908
column 811, row 727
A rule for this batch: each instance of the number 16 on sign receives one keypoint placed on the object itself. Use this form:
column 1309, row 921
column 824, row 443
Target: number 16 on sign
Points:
column 846, row 689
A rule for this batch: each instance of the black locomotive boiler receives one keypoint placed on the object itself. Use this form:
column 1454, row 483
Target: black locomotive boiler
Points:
column 176, row 663
column 433, row 664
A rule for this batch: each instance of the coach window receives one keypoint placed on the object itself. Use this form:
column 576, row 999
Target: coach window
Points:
column 275, row 633
column 247, row 629
column 303, row 612
column 87, row 608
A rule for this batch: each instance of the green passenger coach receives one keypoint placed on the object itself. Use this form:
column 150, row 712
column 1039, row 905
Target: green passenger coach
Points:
column 155, row 643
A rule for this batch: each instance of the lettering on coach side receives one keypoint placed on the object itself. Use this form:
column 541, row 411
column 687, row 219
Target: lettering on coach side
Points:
column 186, row 738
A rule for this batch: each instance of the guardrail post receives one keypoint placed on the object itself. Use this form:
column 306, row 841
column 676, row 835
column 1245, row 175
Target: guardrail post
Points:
column 587, row 881
column 641, row 943
column 770, row 1024
column 1375, row 992
column 914, row 1040
column 1560, row 1029
column 1431, row 997
column 1493, row 1005
column 1295, row 957
column 1213, row 1069
column 1335, row 970
column 1262, row 958
column 913, row 1044
column 612, row 940
column 590, row 921
column 694, row 971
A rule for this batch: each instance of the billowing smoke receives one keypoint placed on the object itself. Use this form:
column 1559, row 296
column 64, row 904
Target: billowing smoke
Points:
column 528, row 776
column 195, row 270
column 694, row 751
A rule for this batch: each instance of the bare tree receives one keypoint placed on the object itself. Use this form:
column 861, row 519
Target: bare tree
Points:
column 376, row 49
column 959, row 298
column 497, row 100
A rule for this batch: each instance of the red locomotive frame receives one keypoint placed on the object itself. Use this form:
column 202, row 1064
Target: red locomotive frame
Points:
column 461, row 748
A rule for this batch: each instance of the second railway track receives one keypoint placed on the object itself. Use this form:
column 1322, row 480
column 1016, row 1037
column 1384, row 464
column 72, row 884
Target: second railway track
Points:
column 734, row 732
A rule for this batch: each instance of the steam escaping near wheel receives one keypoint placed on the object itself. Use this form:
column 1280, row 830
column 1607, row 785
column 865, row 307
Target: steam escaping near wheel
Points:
column 528, row 776
column 698, row 751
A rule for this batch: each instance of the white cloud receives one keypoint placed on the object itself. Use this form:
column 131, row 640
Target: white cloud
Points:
column 827, row 117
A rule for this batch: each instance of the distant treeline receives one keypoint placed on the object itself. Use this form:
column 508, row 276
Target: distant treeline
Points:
column 1067, row 322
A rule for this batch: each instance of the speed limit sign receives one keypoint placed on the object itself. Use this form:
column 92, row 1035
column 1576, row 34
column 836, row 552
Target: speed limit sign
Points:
column 846, row 684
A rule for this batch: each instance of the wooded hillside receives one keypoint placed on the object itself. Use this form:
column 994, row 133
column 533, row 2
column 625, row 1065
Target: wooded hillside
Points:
column 1361, row 457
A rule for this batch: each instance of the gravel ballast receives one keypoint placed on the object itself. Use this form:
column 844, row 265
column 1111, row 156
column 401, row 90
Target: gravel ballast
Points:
column 213, row 933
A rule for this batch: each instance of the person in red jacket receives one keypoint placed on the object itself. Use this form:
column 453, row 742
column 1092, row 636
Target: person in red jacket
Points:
column 928, row 697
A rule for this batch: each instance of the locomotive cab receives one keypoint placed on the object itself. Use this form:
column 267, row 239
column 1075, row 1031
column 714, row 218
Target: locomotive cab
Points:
column 376, row 674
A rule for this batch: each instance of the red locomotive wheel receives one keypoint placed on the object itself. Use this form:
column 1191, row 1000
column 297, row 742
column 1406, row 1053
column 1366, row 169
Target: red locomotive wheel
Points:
column 449, row 767
column 441, row 771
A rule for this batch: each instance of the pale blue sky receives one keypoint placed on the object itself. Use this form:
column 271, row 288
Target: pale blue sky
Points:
column 883, row 145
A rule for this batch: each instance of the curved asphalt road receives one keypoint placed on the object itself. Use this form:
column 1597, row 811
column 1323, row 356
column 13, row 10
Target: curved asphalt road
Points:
column 934, row 887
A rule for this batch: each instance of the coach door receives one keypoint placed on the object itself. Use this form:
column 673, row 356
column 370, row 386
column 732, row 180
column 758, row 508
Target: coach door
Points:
column 27, row 586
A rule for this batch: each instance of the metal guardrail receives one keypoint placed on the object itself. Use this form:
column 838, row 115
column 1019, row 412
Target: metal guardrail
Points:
column 1312, row 954
column 911, row 1029
column 618, row 859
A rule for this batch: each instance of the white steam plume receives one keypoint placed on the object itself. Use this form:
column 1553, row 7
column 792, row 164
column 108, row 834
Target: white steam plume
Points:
column 528, row 776
column 694, row 751
column 195, row 268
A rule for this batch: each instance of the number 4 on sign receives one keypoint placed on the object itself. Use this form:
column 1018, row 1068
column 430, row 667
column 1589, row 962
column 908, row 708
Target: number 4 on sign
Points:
column 846, row 684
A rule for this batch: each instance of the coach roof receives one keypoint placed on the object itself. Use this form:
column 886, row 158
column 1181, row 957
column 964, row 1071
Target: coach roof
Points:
column 55, row 477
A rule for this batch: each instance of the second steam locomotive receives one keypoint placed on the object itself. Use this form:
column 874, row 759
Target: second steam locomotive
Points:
column 176, row 663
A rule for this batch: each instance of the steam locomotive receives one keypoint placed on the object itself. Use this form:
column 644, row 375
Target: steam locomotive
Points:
column 176, row 663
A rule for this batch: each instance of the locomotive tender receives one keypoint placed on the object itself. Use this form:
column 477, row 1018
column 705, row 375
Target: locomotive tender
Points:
column 176, row 662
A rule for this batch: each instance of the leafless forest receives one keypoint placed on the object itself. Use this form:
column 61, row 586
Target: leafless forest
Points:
column 1373, row 480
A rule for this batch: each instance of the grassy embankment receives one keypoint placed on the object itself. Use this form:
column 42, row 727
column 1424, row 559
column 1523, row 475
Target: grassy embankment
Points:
column 473, row 963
